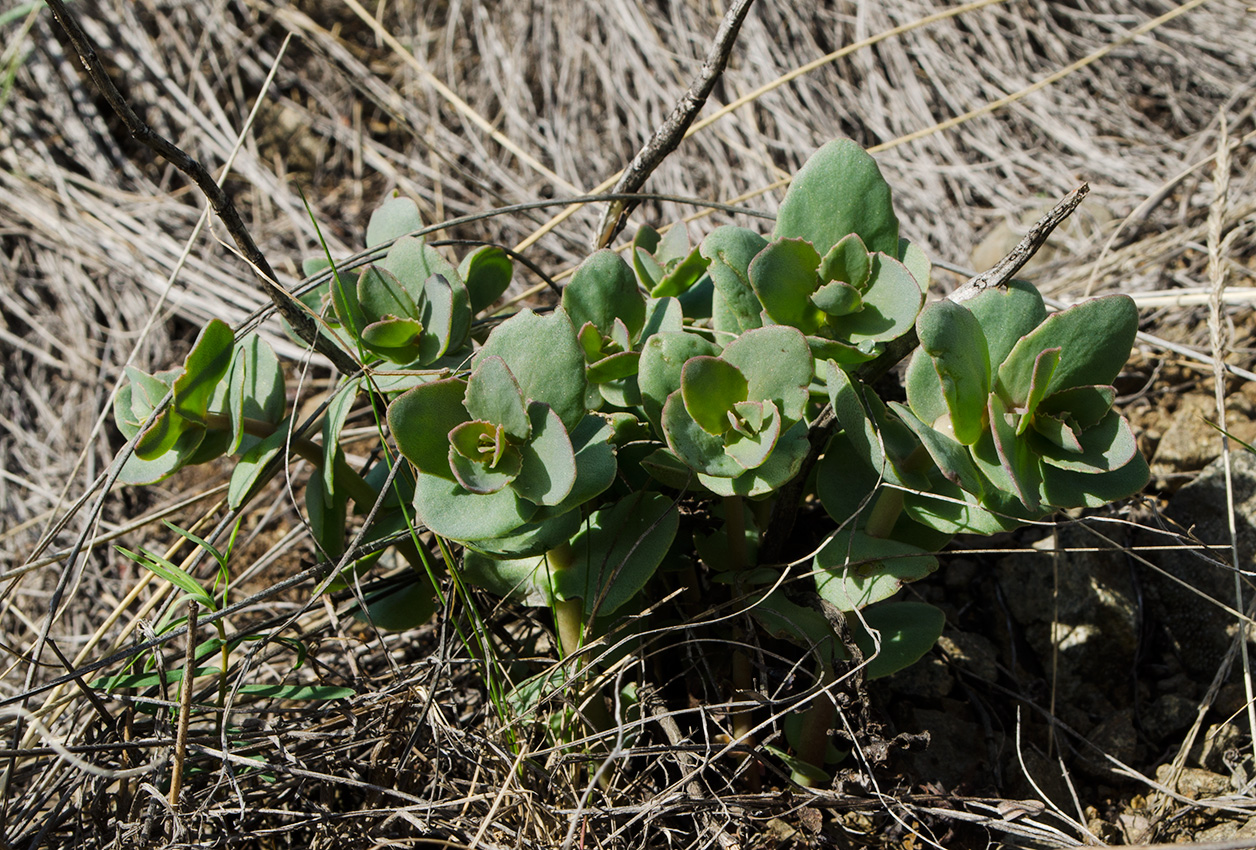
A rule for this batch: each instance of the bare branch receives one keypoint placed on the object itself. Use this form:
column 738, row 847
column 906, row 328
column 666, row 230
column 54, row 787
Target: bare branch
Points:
column 670, row 133
column 292, row 310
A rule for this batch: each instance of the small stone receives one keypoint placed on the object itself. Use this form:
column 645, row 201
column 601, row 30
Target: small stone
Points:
column 972, row 653
column 1169, row 714
column 1228, row 831
column 1115, row 737
column 929, row 679
column 1209, row 752
column 1194, row 782
column 959, row 573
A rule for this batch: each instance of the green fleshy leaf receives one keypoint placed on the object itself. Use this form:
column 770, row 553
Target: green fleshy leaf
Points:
column 890, row 305
column 380, row 295
column 327, row 514
column 253, row 466
column 414, row 263
column 839, row 191
column 644, row 243
column 751, row 449
column 394, row 218
column 1083, row 405
column 673, row 245
column 916, row 261
column 210, row 445
column 524, row 581
column 844, row 484
column 481, row 458
column 1058, row 433
column 648, row 270
column 136, row 470
column 882, row 440
column 666, row 468
column 396, row 339
column 420, row 421
column 698, row 448
column 684, row 275
column 1107, row 446
column 710, row 387
column 962, row 516
column 602, row 290
column 807, row 627
column 952, row 338
column 614, row 368
column 1015, row 455
column 1006, row 315
column 848, row 406
column 1094, row 337
column 338, row 410
column 344, row 300
column 255, row 390
column 438, row 309
column 452, row 511
column 839, row 352
column 784, row 278
column 854, row 570
column 549, row 461
column 493, row 395
column 778, row 367
column 924, row 387
column 662, row 315
column 905, row 630
column 951, row 457
column 847, row 262
column 402, row 606
column 663, row 359
column 137, row 399
column 730, row 250
column 837, row 299
column 546, row 359
column 618, row 551
column 1044, row 368
column 486, row 272
column 1067, row 489
column 533, row 539
column 207, row 364
column 781, row 466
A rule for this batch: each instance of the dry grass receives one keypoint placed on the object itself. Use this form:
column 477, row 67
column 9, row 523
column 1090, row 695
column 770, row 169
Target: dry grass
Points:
column 102, row 264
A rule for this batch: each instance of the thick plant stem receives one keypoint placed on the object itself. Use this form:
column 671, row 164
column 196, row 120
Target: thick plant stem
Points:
column 569, row 623
column 735, row 528
column 816, row 722
column 569, row 619
column 885, row 512
column 743, row 719
column 743, row 680
column 889, row 504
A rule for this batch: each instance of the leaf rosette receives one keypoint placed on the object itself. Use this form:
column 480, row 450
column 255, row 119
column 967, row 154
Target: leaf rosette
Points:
column 510, row 444
column 1010, row 401
column 737, row 418
column 613, row 320
column 837, row 269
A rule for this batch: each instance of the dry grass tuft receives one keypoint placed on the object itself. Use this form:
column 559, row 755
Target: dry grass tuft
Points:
column 102, row 264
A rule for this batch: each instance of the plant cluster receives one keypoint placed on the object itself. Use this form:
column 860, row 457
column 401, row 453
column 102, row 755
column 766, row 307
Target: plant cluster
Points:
column 555, row 447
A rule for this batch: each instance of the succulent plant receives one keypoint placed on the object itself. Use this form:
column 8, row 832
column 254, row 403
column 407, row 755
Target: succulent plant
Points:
column 1013, row 404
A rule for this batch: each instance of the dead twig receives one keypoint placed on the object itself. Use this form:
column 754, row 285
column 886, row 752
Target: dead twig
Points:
column 303, row 324
column 670, row 133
